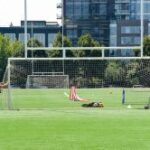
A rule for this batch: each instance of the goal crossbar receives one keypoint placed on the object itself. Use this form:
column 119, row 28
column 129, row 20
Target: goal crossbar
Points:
column 83, row 48
column 47, row 73
column 80, row 58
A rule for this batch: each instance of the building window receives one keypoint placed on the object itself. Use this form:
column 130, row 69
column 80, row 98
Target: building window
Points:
column 85, row 10
column 130, row 29
column 113, row 40
column 51, row 38
column 134, row 40
column 99, row 9
column 135, row 9
column 113, row 34
column 147, row 7
column 72, row 33
column 21, row 37
column 40, row 37
column 77, row 10
column 149, row 29
column 12, row 36
column 102, row 9
column 69, row 10
column 113, row 29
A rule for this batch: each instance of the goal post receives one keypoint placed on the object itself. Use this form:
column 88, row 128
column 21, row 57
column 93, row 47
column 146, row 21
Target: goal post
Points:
column 6, row 99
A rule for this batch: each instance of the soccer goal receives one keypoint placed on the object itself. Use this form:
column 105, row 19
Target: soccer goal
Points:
column 47, row 81
column 101, row 78
column 35, row 81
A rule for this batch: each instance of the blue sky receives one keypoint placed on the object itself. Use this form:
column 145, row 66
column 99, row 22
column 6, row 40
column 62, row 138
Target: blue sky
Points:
column 13, row 11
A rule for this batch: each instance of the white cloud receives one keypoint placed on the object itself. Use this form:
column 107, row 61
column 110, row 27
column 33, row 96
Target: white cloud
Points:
column 13, row 11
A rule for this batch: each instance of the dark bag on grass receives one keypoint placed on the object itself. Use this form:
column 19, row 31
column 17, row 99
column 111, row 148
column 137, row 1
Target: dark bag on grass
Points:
column 93, row 104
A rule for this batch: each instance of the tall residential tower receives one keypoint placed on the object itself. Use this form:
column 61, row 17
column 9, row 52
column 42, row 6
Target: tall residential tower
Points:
column 111, row 22
column 88, row 16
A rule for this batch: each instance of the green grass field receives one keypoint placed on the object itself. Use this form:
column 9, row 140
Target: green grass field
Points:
column 47, row 120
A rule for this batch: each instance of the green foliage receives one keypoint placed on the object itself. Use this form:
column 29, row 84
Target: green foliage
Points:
column 35, row 43
column 84, row 41
column 131, row 74
column 58, row 43
column 114, row 72
column 8, row 49
column 87, row 41
column 146, row 46
column 137, row 52
column 125, row 73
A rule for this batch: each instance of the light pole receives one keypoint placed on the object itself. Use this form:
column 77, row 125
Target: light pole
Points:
column 62, row 12
column 25, row 27
column 142, row 26
column 64, row 54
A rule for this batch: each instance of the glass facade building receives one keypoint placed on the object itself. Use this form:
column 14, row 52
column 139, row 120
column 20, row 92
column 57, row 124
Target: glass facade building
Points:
column 88, row 16
column 102, row 19
column 128, row 23
column 122, row 9
column 44, row 32
column 135, row 9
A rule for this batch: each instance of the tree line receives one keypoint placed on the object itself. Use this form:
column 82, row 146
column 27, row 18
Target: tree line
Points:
column 111, row 70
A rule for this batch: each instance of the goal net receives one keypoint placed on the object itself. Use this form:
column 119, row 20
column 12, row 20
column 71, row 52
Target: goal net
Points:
column 38, row 85
column 47, row 81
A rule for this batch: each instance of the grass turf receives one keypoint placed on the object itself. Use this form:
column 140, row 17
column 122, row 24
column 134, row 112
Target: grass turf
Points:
column 65, row 125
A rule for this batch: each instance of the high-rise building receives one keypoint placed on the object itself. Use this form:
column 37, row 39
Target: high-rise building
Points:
column 112, row 22
column 126, row 30
column 94, row 17
column 87, row 16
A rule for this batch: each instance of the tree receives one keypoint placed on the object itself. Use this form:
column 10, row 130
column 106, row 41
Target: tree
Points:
column 146, row 46
column 58, row 43
column 38, row 53
column 8, row 49
column 132, row 75
column 87, row 41
column 113, row 74
column 16, row 49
